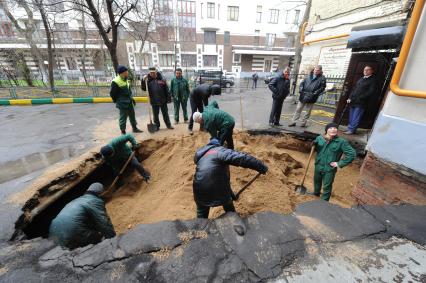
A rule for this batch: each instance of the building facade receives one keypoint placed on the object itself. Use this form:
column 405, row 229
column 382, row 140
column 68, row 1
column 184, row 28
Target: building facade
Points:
column 238, row 36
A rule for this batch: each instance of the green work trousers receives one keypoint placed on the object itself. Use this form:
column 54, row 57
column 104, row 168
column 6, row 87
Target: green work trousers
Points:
column 164, row 111
column 325, row 180
column 177, row 103
column 124, row 113
column 203, row 211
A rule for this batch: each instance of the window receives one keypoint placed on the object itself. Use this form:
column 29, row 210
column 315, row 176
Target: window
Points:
column 256, row 37
column 6, row 29
column 233, row 12
column 186, row 14
column 296, row 16
column 236, row 58
column 270, row 39
column 209, row 37
column 189, row 60
column 258, row 14
column 226, row 38
column 210, row 10
column 290, row 41
column 273, row 16
column 210, row 60
column 167, row 60
column 166, row 33
column 287, row 17
column 201, row 10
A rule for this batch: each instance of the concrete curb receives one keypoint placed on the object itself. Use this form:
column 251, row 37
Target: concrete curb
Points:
column 39, row 101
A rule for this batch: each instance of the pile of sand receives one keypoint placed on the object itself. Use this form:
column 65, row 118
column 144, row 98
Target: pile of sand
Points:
column 169, row 196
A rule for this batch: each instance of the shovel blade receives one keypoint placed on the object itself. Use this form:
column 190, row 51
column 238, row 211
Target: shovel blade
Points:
column 152, row 128
column 300, row 189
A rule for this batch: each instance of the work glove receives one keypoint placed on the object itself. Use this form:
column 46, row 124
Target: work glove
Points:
column 263, row 169
column 314, row 143
column 146, row 176
column 136, row 146
column 134, row 102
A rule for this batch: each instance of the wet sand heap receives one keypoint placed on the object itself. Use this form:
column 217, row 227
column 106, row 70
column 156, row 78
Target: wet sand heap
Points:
column 169, row 196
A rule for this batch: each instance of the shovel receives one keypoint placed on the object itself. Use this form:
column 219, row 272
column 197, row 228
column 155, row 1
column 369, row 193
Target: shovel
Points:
column 301, row 189
column 111, row 188
column 152, row 128
column 236, row 196
column 343, row 114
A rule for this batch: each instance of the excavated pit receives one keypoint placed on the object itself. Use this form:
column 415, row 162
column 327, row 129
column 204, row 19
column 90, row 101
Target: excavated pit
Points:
column 169, row 196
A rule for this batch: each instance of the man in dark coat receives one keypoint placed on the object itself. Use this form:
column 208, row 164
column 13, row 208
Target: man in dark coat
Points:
column 121, row 94
column 159, row 96
column 365, row 88
column 255, row 77
column 211, row 184
column 199, row 98
column 83, row 221
column 280, row 87
column 310, row 89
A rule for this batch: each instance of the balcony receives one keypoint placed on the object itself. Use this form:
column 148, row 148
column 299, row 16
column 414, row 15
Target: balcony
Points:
column 263, row 50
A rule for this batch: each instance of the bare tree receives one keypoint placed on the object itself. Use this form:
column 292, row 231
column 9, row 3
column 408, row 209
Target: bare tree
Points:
column 116, row 12
column 27, row 30
column 43, row 13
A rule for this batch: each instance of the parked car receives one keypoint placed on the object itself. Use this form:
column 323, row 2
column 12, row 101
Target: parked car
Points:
column 231, row 75
column 214, row 77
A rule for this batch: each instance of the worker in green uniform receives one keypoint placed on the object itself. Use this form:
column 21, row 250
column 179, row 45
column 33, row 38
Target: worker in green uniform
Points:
column 83, row 221
column 218, row 123
column 329, row 148
column 121, row 94
column 179, row 88
column 117, row 152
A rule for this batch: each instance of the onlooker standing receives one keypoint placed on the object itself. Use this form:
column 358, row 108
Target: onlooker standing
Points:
column 211, row 182
column 364, row 89
column 310, row 89
column 199, row 98
column 329, row 148
column 159, row 96
column 121, row 94
column 254, row 77
column 179, row 88
column 280, row 87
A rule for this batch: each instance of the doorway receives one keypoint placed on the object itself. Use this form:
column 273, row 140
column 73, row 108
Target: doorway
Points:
column 268, row 66
column 382, row 64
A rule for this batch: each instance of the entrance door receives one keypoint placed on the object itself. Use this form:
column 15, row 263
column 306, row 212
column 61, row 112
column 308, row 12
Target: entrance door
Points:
column 268, row 66
column 382, row 66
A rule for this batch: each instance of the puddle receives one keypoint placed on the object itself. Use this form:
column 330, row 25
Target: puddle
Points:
column 17, row 168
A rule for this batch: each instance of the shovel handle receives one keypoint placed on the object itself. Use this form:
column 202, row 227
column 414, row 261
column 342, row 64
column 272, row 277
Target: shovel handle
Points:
column 121, row 172
column 307, row 165
column 149, row 107
column 235, row 197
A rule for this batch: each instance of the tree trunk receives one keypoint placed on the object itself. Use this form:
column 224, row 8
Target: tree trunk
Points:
column 299, row 47
column 83, row 58
column 49, row 44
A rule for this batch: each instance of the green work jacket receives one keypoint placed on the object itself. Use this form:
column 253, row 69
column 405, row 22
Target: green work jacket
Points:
column 331, row 151
column 179, row 88
column 122, row 152
column 215, row 119
column 121, row 93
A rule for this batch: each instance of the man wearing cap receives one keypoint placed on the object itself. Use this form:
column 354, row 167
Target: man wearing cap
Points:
column 218, row 123
column 329, row 148
column 83, row 221
column 117, row 152
column 199, row 98
column 159, row 96
column 121, row 94
column 211, row 182
column 179, row 88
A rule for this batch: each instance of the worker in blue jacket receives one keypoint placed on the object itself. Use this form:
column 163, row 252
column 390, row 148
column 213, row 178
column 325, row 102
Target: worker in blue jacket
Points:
column 83, row 221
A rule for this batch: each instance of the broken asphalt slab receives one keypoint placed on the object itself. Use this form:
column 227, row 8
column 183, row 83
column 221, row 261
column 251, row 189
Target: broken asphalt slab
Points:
column 273, row 247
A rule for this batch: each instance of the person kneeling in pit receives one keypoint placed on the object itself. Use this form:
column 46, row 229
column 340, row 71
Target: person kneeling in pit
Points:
column 117, row 152
column 211, row 184
column 83, row 221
